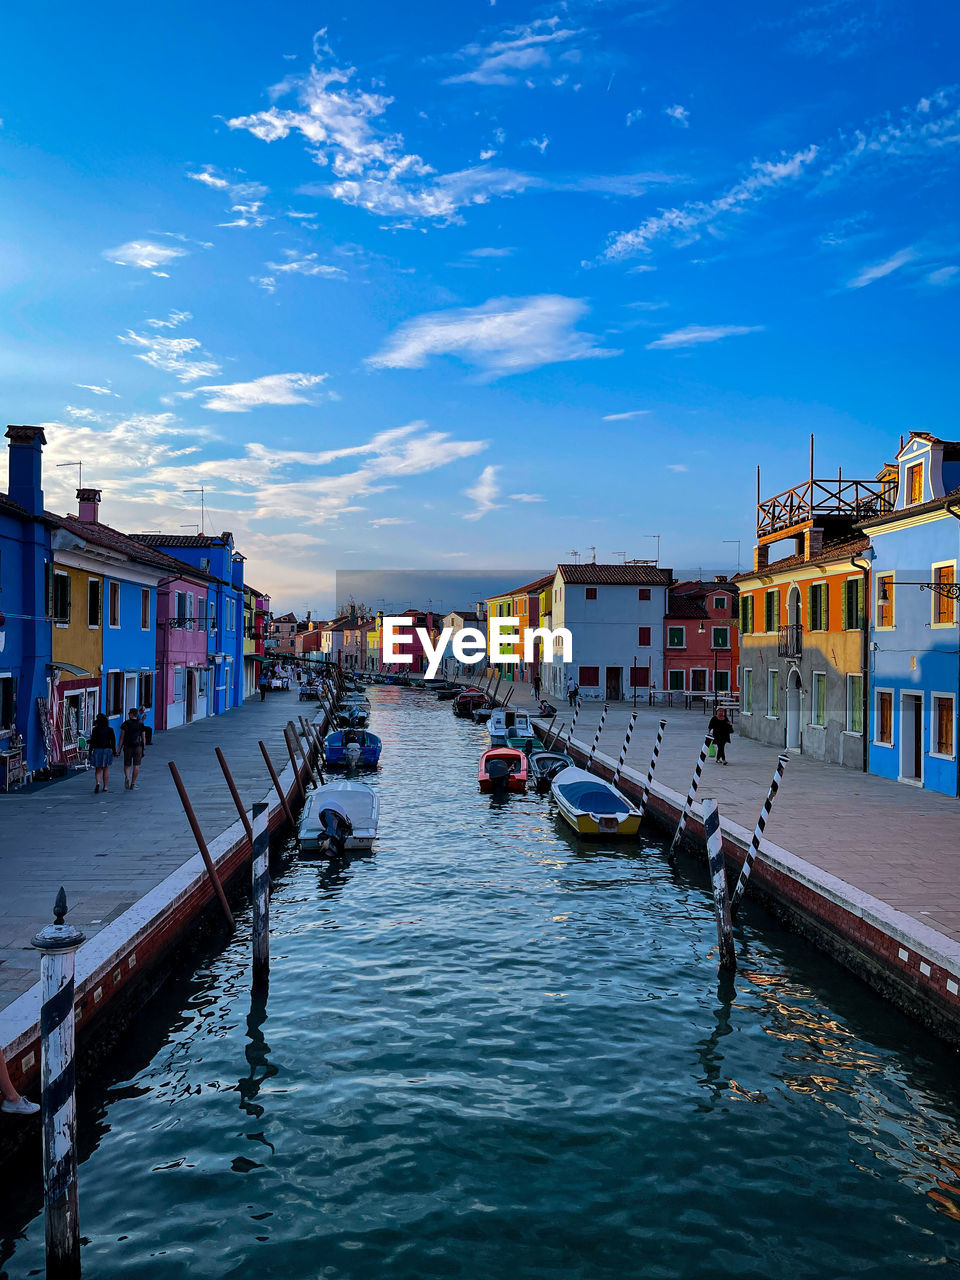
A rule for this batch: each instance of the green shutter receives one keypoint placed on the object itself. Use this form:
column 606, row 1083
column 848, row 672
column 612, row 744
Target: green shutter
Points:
column 860, row 613
column 48, row 587
column 825, row 605
column 843, row 606
column 776, row 611
column 69, row 586
column 811, row 620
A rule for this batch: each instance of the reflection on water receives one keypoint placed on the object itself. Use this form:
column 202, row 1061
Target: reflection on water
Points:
column 493, row 1050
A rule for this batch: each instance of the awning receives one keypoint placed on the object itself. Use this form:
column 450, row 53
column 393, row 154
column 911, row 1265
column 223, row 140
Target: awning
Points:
column 257, row 657
column 70, row 669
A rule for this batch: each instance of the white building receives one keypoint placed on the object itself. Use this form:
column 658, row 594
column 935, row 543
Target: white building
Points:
column 614, row 613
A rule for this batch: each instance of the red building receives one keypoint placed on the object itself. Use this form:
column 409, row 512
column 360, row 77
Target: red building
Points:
column 701, row 645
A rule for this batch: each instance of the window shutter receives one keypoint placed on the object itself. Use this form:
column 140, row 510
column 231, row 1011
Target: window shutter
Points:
column 843, row 607
column 48, row 587
column 776, row 612
column 860, row 614
column 69, row 585
column 189, row 610
column 812, row 622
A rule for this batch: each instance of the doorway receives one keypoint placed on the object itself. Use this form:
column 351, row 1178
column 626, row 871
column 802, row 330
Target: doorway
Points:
column 614, row 684
column 794, row 705
column 911, row 738
column 191, row 694
column 129, row 695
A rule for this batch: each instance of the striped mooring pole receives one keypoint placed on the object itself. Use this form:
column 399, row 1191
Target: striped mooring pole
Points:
column 58, row 943
column 596, row 736
column 754, row 849
column 653, row 765
column 260, row 872
column 623, row 749
column 573, row 722
column 718, row 880
column 694, row 784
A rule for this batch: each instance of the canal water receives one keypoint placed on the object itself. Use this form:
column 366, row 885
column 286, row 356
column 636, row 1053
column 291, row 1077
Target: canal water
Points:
column 491, row 1050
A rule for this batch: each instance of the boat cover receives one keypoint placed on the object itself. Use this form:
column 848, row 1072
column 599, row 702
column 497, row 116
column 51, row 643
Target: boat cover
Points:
column 588, row 797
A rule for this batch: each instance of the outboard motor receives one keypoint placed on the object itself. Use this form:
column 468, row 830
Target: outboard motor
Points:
column 528, row 746
column 352, row 751
column 498, row 771
column 337, row 828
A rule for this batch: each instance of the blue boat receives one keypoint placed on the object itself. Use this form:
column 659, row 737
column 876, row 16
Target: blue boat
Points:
column 352, row 748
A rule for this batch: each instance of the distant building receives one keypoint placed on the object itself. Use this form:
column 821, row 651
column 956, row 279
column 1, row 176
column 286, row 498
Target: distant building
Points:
column 282, row 634
column 701, row 642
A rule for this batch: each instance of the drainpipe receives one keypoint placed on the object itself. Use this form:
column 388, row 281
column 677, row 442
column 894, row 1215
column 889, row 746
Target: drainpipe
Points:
column 956, row 748
column 865, row 663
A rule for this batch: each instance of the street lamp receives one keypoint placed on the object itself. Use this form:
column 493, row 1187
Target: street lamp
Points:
column 948, row 590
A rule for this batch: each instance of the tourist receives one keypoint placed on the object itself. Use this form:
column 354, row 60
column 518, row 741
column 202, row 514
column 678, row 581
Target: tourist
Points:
column 131, row 744
column 103, row 747
column 13, row 1104
column 722, row 731
column 537, row 686
column 264, row 685
column 572, row 690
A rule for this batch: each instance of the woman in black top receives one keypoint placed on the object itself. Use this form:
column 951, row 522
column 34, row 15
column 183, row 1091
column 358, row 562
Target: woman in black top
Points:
column 722, row 731
column 103, row 747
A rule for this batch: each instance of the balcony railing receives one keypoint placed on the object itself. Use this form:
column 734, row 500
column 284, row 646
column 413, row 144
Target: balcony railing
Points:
column 790, row 641
column 855, row 499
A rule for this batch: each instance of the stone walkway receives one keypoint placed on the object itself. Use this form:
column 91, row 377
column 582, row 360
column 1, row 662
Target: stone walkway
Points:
column 108, row 850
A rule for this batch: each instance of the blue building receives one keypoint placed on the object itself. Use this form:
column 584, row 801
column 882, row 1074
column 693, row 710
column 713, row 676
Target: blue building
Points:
column 914, row 638
column 25, row 630
column 215, row 556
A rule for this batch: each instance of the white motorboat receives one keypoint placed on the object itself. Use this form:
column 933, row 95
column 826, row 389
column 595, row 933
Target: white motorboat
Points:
column 339, row 816
column 593, row 807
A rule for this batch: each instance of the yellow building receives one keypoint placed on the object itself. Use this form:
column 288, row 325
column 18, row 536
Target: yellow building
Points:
column 75, row 607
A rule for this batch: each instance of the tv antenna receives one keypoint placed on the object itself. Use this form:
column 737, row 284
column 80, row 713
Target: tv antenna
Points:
column 201, row 492
column 575, row 556
column 194, row 526
column 79, row 465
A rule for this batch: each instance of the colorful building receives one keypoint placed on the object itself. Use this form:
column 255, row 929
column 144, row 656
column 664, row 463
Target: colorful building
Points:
column 282, row 634
column 183, row 671
column 701, row 639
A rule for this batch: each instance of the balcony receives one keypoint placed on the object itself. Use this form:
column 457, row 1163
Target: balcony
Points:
column 790, row 641
column 851, row 500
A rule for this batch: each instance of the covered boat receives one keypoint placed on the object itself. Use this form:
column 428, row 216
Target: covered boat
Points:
column 509, row 728
column 466, row 703
column 356, row 748
column 545, row 765
column 502, row 769
column 593, row 807
column 353, row 715
column 339, row 816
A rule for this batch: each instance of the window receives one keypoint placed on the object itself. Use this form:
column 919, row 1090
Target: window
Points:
column 883, row 719
column 145, row 690
column 115, row 693
column 698, row 680
column 885, row 607
column 144, row 613
column 721, row 682
column 818, row 710
column 643, row 593
column 639, row 677
column 941, row 728
column 771, row 608
column 201, row 613
column 852, row 604
column 643, row 637
column 205, row 563
column 180, row 601
column 589, row 677
column 854, row 704
column 179, row 684
column 211, row 613
column 94, row 602
column 719, row 602
column 915, row 484
column 721, row 637
column 114, row 604
column 202, row 681
column 746, row 615
column 773, row 693
column 675, row 681
column 746, row 691
column 189, row 610
column 818, row 607
column 59, row 598
column 944, row 609
column 591, row 593
column 676, row 637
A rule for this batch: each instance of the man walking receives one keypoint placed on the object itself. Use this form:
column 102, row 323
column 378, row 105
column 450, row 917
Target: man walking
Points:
column 572, row 690
column 537, row 686
column 131, row 744
column 264, row 682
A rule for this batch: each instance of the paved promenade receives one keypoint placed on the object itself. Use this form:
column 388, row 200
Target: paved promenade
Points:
column 108, row 850
column 899, row 843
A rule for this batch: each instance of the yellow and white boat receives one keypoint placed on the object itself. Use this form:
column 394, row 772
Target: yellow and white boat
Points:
column 593, row 807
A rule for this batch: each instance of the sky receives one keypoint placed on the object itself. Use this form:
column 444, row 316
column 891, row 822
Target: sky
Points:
column 451, row 286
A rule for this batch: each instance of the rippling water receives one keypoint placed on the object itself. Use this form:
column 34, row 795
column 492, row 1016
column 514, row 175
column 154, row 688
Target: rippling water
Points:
column 490, row 1050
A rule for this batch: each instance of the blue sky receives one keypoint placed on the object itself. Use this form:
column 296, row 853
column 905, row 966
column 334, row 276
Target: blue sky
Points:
column 475, row 284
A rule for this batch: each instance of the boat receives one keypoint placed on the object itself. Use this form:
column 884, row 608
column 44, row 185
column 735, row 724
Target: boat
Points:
column 593, row 807
column 447, row 691
column 545, row 765
column 502, row 769
column 339, row 816
column 467, row 703
column 509, row 728
column 356, row 748
column 352, row 715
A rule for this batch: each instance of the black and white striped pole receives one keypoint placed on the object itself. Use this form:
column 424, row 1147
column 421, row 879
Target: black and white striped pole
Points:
column 718, row 881
column 754, row 849
column 623, row 749
column 58, row 944
column 260, row 872
column 596, row 736
column 648, row 782
column 694, row 784
column 573, row 722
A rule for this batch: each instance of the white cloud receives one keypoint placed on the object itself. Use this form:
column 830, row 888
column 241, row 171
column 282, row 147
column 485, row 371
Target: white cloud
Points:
column 521, row 52
column 677, row 466
column 483, row 494
column 622, row 417
column 634, row 115
column 170, row 355
column 527, row 497
column 880, row 269
column 97, row 391
column 145, row 254
column 680, row 115
column 274, row 388
column 491, row 253
column 245, row 197
column 694, row 334
column 487, row 154
column 942, row 275
column 541, row 144
column 265, row 282
column 173, row 320
column 388, row 520
column 307, row 264
column 81, row 415
column 504, row 335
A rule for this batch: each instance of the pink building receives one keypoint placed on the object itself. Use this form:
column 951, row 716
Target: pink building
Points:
column 411, row 619
column 184, row 622
column 701, row 647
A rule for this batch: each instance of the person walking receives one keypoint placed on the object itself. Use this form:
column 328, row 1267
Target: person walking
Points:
column 537, row 686
column 722, row 731
column 264, row 685
column 572, row 690
column 103, row 748
column 131, row 744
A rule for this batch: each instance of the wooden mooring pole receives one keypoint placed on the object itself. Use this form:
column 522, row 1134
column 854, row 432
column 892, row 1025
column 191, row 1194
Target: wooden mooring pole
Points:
column 225, row 768
column 688, row 803
column 718, row 880
column 290, row 735
column 623, row 749
column 260, row 873
column 279, row 789
column 596, row 736
column 754, row 849
column 201, row 843
column 58, row 943
column 644, row 794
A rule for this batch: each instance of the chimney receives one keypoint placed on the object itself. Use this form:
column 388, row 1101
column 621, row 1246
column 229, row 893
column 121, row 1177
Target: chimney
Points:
column 89, row 500
column 812, row 544
column 761, row 558
column 25, row 482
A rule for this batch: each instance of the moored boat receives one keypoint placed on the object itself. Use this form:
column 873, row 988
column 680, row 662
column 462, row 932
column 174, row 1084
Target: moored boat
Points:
column 593, row 807
column 545, row 765
column 357, row 748
column 502, row 769
column 467, row 703
column 339, row 816
column 509, row 728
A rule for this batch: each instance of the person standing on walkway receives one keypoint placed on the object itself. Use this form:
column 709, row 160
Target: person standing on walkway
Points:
column 572, row 690
column 537, row 686
column 103, row 747
column 131, row 744
column 264, row 685
column 722, row 731
column 13, row 1104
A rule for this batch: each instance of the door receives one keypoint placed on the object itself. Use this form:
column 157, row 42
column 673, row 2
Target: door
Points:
column 794, row 703
column 911, row 738
column 191, row 694
column 129, row 695
column 614, row 684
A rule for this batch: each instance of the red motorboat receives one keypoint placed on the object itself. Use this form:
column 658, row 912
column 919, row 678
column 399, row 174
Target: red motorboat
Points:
column 502, row 769
column 467, row 703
